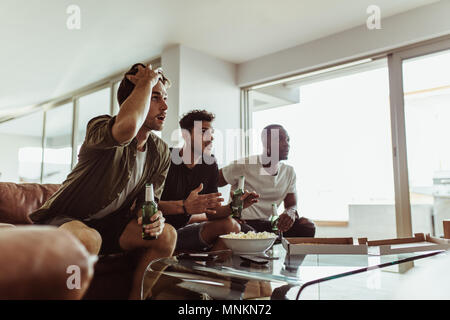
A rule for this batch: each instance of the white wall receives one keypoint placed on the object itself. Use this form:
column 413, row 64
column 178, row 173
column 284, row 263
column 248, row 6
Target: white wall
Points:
column 210, row 83
column 170, row 62
column 203, row 82
column 410, row 27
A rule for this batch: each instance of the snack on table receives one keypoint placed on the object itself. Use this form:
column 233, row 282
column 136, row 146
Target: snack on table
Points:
column 250, row 235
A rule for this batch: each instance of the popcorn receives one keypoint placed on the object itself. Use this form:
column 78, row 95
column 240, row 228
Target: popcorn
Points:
column 250, row 235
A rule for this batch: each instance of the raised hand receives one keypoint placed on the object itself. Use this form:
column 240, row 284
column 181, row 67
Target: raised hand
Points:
column 145, row 75
column 202, row 203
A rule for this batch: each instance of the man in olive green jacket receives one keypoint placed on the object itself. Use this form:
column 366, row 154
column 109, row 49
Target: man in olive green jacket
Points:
column 100, row 199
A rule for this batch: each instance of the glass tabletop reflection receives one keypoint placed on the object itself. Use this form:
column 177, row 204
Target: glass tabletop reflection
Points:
column 229, row 276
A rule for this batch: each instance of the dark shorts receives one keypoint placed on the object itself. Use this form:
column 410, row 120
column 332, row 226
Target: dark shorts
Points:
column 110, row 228
column 189, row 238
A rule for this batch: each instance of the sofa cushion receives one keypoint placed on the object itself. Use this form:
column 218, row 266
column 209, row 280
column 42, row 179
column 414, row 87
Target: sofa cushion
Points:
column 43, row 262
column 17, row 201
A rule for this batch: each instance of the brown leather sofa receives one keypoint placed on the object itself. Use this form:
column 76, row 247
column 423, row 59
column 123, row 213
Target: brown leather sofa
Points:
column 39, row 262
column 34, row 260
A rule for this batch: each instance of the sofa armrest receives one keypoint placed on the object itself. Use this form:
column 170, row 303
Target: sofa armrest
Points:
column 18, row 200
column 43, row 262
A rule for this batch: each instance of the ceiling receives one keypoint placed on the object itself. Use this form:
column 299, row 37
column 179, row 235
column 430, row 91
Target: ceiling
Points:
column 42, row 59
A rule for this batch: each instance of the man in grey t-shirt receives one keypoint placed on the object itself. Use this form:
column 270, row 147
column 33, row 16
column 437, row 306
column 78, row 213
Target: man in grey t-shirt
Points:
column 274, row 181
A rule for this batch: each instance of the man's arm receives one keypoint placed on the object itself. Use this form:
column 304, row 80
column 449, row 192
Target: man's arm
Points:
column 287, row 218
column 221, row 212
column 221, row 181
column 290, row 201
column 171, row 207
column 135, row 108
column 224, row 211
column 194, row 204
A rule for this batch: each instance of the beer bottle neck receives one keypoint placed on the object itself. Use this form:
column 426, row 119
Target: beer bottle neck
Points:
column 241, row 183
column 149, row 194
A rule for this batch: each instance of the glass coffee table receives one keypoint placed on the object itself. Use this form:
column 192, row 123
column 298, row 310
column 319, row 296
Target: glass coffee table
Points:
column 229, row 277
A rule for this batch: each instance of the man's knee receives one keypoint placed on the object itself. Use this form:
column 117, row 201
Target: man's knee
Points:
column 169, row 234
column 94, row 241
column 167, row 240
column 215, row 228
column 307, row 227
column 89, row 237
column 231, row 225
column 302, row 227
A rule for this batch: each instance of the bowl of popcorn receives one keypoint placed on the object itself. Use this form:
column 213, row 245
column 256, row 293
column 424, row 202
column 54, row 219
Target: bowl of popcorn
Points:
column 250, row 242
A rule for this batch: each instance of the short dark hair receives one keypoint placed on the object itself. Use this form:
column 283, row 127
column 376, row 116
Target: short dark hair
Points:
column 266, row 132
column 188, row 119
column 126, row 86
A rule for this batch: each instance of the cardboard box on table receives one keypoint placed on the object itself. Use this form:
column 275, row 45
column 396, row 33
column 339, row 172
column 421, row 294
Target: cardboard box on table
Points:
column 418, row 243
column 295, row 246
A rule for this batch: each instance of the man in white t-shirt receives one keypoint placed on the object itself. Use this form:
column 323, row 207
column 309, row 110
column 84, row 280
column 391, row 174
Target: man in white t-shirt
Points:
column 274, row 181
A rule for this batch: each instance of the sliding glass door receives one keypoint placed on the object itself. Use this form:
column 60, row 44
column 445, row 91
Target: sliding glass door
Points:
column 340, row 137
column 426, row 87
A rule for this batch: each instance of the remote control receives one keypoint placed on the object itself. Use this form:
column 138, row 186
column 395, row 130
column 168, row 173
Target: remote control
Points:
column 254, row 259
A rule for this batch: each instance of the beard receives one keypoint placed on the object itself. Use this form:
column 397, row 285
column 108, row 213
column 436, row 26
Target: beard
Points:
column 207, row 150
column 153, row 125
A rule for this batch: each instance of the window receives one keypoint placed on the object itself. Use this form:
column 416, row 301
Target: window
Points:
column 426, row 86
column 340, row 145
column 90, row 106
column 58, row 144
column 21, row 142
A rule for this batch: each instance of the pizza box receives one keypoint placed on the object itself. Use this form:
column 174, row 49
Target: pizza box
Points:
column 323, row 246
column 418, row 243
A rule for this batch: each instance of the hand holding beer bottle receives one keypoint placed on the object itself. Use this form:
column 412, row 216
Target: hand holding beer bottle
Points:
column 150, row 215
column 237, row 203
column 274, row 221
column 241, row 199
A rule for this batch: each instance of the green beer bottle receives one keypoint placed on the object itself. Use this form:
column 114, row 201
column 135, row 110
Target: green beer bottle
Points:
column 274, row 222
column 237, row 203
column 149, row 208
column 274, row 218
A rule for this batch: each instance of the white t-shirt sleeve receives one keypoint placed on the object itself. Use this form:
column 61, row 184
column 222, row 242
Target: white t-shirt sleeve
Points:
column 293, row 182
column 232, row 172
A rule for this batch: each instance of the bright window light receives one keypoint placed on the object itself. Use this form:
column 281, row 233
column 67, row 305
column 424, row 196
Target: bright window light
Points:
column 34, row 155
